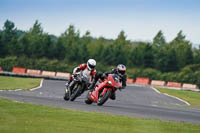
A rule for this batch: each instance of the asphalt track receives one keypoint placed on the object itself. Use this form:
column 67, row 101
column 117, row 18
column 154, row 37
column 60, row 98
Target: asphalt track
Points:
column 136, row 101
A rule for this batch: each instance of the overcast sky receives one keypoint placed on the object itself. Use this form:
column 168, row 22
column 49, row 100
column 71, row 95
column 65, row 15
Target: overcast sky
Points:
column 140, row 19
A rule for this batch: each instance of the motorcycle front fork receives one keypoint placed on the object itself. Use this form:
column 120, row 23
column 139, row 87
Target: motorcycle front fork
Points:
column 69, row 85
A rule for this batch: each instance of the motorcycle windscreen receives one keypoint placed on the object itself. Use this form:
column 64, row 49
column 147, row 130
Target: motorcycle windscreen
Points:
column 114, row 79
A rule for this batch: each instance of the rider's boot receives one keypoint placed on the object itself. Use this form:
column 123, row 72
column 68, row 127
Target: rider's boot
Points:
column 91, row 87
column 113, row 96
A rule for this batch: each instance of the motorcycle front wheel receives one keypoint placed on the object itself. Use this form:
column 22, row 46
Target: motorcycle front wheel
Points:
column 87, row 100
column 66, row 95
column 75, row 92
column 103, row 98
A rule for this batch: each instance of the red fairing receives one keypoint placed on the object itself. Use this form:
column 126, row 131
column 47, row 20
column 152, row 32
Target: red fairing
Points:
column 105, row 85
column 95, row 94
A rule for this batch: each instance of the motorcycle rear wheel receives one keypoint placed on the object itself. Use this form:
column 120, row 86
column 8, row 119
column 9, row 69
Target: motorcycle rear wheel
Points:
column 104, row 98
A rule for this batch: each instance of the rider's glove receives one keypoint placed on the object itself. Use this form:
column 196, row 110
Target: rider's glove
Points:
column 104, row 75
column 74, row 75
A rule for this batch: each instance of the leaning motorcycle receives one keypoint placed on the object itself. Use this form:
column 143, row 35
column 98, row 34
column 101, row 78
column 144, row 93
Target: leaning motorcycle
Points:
column 78, row 85
column 104, row 90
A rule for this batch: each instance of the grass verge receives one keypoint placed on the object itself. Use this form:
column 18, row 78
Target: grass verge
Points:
column 192, row 97
column 12, row 83
column 22, row 117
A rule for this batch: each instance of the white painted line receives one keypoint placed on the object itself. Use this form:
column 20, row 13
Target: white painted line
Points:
column 18, row 101
column 171, row 96
column 41, row 82
column 138, row 85
column 38, row 86
column 155, row 90
column 177, row 98
column 17, row 90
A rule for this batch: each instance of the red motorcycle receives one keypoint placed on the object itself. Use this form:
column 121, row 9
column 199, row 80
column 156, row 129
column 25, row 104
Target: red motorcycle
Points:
column 104, row 90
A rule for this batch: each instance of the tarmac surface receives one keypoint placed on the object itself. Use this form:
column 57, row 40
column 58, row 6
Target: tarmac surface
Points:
column 136, row 101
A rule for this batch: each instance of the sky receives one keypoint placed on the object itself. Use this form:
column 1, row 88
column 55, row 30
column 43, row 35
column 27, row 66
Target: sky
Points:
column 139, row 19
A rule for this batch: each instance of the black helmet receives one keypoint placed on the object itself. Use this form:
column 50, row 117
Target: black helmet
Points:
column 121, row 69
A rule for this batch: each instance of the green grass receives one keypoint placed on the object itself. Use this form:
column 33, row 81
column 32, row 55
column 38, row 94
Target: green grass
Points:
column 191, row 97
column 12, row 83
column 28, row 118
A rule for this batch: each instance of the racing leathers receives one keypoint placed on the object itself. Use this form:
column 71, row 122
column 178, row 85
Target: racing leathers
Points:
column 101, row 76
column 88, row 73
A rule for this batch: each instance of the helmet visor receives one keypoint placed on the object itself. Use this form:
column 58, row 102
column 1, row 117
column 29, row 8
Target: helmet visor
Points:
column 122, row 72
column 91, row 66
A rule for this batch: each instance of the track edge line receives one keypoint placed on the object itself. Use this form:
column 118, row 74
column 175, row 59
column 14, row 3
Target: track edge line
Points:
column 171, row 96
column 41, row 83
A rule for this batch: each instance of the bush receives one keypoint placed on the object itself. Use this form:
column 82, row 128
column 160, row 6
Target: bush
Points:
column 133, row 73
column 151, row 73
column 189, row 74
column 8, row 62
column 197, row 78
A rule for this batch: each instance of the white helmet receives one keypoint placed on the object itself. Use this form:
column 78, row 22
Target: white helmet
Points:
column 91, row 64
column 121, row 69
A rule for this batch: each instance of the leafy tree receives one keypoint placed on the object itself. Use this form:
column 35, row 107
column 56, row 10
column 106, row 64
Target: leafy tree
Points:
column 2, row 50
column 37, row 28
column 36, row 44
column 177, row 60
column 70, row 39
column 179, row 38
column 8, row 39
column 60, row 49
column 196, row 55
column 141, row 55
column 96, row 49
column 136, row 57
column 48, row 49
column 118, row 50
column 148, row 56
column 166, row 59
column 183, row 50
column 32, row 41
column 85, row 40
column 159, row 39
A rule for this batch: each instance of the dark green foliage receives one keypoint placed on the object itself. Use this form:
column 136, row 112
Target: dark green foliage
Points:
column 8, row 39
column 41, row 64
column 196, row 56
column 161, row 60
column 166, row 60
column 159, row 39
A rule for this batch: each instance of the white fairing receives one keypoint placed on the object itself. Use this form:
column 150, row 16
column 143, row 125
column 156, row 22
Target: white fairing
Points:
column 74, row 71
column 86, row 73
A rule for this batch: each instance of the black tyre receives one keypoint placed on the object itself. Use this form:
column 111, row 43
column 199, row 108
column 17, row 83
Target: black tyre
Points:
column 87, row 100
column 66, row 96
column 104, row 98
column 75, row 93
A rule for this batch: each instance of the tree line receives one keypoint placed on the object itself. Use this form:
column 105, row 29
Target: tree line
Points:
column 157, row 59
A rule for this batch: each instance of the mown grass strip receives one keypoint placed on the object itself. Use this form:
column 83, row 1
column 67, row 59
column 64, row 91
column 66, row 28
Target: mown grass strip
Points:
column 12, row 83
column 22, row 117
column 191, row 97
